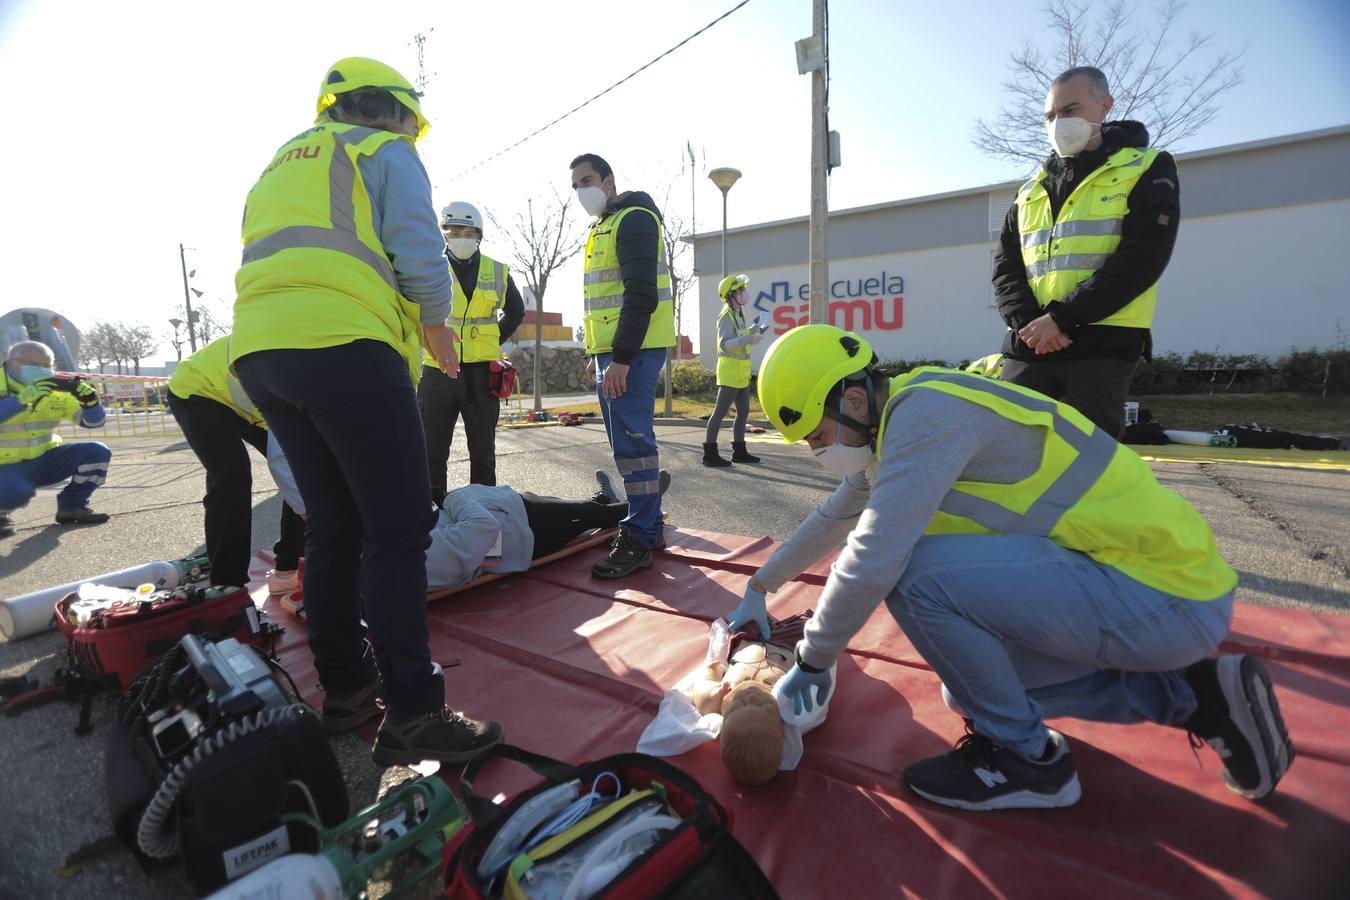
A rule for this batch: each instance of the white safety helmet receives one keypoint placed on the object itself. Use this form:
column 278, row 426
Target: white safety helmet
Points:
column 461, row 213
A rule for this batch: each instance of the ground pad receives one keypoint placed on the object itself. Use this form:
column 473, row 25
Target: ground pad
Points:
column 575, row 669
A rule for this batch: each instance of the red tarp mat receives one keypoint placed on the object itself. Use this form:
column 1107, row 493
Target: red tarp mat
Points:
column 575, row 668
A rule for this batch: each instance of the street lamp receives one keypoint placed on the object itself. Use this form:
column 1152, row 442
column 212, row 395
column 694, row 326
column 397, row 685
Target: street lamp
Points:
column 724, row 178
column 187, row 298
column 177, row 341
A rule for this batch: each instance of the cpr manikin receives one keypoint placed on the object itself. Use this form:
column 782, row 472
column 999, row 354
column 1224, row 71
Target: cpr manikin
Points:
column 752, row 729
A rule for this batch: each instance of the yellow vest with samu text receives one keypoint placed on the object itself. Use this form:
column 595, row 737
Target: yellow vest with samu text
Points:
column 314, row 272
column 1090, row 494
column 1061, row 253
column 603, row 287
column 32, row 432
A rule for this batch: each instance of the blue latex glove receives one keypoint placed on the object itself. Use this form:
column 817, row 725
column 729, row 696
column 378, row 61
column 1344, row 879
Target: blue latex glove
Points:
column 796, row 685
column 751, row 610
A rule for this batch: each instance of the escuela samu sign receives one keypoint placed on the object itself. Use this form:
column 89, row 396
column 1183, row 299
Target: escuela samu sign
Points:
column 858, row 304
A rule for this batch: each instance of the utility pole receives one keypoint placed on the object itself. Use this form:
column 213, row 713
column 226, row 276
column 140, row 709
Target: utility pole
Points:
column 187, row 299
column 813, row 58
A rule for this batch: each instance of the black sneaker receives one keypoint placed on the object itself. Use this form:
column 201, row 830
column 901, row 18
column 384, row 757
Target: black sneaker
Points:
column 6, row 526
column 345, row 712
column 607, row 493
column 981, row 775
column 1239, row 717
column 444, row 735
column 663, row 482
column 84, row 516
column 626, row 556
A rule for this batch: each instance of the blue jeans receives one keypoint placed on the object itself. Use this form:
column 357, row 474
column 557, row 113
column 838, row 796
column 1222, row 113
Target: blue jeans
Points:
column 85, row 463
column 346, row 418
column 632, row 437
column 1019, row 628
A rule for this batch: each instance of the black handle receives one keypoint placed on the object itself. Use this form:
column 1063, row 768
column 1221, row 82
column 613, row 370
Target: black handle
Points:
column 481, row 809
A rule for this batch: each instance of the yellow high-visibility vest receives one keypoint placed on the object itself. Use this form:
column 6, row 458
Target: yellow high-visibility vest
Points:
column 1090, row 493
column 32, row 432
column 206, row 373
column 314, row 271
column 733, row 366
column 475, row 321
column 603, row 287
column 1061, row 253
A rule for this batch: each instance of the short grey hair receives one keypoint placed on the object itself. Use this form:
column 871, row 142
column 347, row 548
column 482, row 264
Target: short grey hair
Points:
column 30, row 348
column 1095, row 76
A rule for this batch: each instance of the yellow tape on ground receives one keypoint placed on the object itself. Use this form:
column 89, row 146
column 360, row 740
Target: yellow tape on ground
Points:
column 1314, row 460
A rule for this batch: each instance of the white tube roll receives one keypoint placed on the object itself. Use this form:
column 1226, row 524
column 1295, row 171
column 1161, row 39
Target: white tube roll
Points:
column 1194, row 438
column 29, row 614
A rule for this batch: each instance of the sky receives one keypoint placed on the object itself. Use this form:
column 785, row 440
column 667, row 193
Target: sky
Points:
column 148, row 122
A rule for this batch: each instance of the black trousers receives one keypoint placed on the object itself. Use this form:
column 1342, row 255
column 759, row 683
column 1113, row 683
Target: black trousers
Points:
column 442, row 400
column 217, row 435
column 1097, row 388
column 555, row 522
column 370, row 512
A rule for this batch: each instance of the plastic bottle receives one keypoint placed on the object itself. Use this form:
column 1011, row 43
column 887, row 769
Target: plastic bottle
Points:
column 297, row 876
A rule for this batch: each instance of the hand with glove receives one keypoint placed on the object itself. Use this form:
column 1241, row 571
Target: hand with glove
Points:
column 797, row 683
column 751, row 610
column 86, row 394
column 755, row 337
column 38, row 390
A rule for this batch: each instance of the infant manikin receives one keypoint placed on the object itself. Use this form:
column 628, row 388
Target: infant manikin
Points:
column 752, row 729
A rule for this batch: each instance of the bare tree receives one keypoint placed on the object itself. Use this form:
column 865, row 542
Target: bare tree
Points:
column 210, row 319
column 1156, row 76
column 541, row 241
column 97, row 344
column 137, row 342
column 177, row 340
column 681, row 277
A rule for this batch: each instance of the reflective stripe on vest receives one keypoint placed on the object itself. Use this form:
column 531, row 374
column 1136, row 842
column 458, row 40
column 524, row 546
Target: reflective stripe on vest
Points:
column 342, row 235
column 733, row 366
column 30, row 433
column 314, row 272
column 475, row 320
column 1060, row 254
column 1089, row 494
column 602, row 287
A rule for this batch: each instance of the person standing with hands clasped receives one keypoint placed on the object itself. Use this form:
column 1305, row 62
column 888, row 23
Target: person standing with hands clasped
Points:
column 629, row 323
column 1076, row 269
column 734, row 340
column 485, row 311
column 343, row 276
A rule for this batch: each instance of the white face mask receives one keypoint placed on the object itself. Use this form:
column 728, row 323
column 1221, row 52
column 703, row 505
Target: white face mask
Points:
column 1069, row 135
column 844, row 460
column 462, row 247
column 593, row 200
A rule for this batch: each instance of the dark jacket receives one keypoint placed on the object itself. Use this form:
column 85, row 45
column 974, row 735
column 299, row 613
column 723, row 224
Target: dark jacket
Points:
column 1147, row 236
column 638, row 246
column 513, row 305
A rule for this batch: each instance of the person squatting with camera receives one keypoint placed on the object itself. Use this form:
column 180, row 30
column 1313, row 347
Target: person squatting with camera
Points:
column 32, row 455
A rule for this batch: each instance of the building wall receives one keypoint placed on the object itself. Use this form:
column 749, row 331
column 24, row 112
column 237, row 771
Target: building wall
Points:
column 1258, row 266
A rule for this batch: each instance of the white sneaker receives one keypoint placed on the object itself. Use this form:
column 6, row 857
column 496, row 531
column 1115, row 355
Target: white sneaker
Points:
column 283, row 582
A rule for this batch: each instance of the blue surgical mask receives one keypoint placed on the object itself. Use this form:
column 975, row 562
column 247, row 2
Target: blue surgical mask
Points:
column 30, row 374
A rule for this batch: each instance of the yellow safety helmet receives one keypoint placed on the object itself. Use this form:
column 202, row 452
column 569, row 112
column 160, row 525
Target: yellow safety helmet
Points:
column 357, row 73
column 731, row 283
column 799, row 370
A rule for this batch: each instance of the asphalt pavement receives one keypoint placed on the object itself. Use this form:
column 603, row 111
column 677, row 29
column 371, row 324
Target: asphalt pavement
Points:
column 1284, row 530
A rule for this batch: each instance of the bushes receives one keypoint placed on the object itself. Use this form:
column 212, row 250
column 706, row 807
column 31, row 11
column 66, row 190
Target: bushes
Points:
column 691, row 378
column 1298, row 371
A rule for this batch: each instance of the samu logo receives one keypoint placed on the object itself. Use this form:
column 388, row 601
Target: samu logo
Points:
column 1111, row 197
